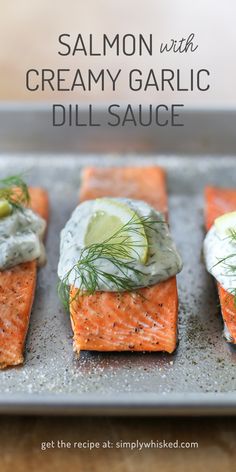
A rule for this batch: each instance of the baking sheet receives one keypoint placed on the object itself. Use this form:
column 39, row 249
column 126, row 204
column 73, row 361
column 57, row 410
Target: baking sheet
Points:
column 200, row 377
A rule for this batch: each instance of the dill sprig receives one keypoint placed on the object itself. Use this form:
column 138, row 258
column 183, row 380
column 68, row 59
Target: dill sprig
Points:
column 225, row 261
column 118, row 250
column 15, row 191
column 232, row 234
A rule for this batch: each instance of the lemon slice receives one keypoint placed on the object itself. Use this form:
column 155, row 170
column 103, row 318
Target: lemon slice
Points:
column 225, row 224
column 108, row 218
column 5, row 208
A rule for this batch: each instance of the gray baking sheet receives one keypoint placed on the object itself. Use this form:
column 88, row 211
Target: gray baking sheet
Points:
column 200, row 377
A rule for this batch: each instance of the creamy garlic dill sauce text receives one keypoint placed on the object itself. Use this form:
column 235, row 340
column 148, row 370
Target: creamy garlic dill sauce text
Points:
column 163, row 260
column 220, row 257
column 21, row 235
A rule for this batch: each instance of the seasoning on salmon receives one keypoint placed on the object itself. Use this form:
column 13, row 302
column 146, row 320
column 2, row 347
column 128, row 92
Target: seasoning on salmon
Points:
column 17, row 288
column 219, row 201
column 143, row 320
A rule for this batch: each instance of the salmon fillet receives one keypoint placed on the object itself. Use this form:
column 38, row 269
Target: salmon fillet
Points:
column 145, row 320
column 220, row 201
column 17, row 288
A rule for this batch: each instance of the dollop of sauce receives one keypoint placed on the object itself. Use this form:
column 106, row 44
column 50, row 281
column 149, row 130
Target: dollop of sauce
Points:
column 220, row 256
column 21, row 236
column 163, row 259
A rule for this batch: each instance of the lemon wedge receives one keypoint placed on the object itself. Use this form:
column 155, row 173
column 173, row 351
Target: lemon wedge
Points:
column 114, row 219
column 225, row 224
column 5, row 208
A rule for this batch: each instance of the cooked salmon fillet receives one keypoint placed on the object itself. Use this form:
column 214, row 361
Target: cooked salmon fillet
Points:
column 145, row 320
column 220, row 201
column 17, row 288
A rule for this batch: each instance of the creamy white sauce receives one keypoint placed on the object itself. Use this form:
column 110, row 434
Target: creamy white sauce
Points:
column 216, row 249
column 163, row 259
column 21, row 235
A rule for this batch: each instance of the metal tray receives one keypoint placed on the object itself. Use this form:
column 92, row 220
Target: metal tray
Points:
column 199, row 378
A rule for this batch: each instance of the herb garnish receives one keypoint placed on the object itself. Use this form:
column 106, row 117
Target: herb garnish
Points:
column 15, row 191
column 231, row 268
column 116, row 250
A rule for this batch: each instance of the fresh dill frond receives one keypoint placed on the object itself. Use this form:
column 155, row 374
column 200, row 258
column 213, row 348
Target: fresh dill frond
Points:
column 119, row 251
column 225, row 261
column 232, row 234
column 15, row 191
